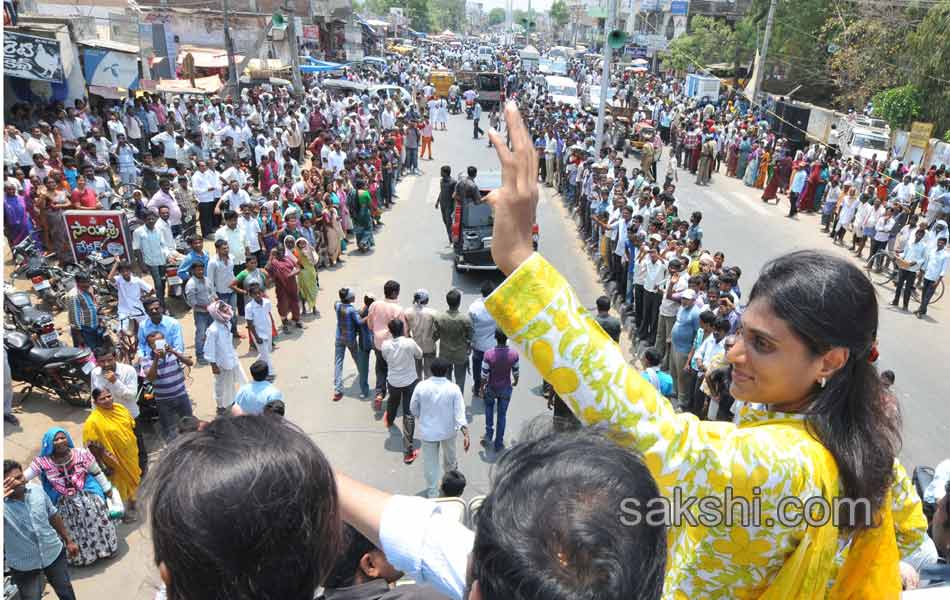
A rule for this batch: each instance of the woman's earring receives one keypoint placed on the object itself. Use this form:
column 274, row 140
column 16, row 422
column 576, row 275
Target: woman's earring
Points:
column 823, row 382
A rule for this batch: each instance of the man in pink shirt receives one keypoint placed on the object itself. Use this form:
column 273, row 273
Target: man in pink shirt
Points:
column 163, row 197
column 378, row 318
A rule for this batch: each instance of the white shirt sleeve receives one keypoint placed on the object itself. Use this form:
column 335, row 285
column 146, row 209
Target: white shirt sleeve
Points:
column 433, row 548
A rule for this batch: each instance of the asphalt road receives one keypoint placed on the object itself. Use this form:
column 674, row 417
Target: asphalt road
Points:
column 412, row 249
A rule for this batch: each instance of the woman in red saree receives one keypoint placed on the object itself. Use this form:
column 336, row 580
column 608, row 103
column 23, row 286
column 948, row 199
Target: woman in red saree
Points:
column 806, row 201
column 779, row 180
column 732, row 158
column 283, row 269
column 269, row 172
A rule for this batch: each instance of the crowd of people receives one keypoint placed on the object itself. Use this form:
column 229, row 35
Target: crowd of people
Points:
column 266, row 189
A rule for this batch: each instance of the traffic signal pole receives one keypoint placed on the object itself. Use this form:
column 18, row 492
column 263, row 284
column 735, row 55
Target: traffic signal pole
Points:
column 605, row 78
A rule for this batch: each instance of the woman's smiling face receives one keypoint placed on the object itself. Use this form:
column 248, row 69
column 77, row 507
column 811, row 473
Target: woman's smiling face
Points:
column 771, row 363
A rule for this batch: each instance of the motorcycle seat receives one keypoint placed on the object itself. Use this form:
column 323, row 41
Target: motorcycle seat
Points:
column 17, row 341
column 31, row 315
column 62, row 354
column 19, row 299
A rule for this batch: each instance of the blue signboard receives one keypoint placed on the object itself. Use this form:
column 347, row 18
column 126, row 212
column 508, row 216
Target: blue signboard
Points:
column 635, row 51
column 679, row 7
column 649, row 5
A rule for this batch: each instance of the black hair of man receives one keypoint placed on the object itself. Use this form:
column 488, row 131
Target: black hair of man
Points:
column 500, row 337
column 722, row 324
column 440, row 367
column 487, row 288
column 220, row 243
column 472, row 172
column 446, row 171
column 652, row 357
column 10, row 464
column 553, row 508
column 259, row 370
column 603, row 304
column 229, row 214
column 391, row 290
column 453, row 484
column 397, row 328
column 453, row 298
column 708, row 317
column 347, row 566
column 275, row 407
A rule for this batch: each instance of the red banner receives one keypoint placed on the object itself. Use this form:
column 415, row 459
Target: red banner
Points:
column 98, row 231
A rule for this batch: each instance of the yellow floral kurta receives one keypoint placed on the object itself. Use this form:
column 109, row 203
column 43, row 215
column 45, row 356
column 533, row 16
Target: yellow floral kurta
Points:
column 772, row 455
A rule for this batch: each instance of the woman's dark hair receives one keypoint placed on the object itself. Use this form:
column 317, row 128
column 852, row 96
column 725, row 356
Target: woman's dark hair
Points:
column 244, row 509
column 829, row 303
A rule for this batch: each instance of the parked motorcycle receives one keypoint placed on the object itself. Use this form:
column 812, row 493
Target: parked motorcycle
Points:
column 49, row 281
column 63, row 371
column 18, row 310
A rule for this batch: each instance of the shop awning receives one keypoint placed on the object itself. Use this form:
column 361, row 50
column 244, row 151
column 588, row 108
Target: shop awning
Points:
column 319, row 66
column 203, row 85
column 207, row 58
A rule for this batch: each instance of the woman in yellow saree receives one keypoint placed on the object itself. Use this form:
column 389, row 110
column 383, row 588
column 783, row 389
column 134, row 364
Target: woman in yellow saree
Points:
column 110, row 426
column 823, row 442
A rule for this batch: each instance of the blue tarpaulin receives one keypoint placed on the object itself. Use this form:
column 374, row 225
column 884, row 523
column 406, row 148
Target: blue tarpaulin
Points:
column 318, row 66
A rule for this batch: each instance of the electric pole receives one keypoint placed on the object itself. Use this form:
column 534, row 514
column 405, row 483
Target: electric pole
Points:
column 759, row 68
column 229, row 46
column 605, row 78
column 294, row 49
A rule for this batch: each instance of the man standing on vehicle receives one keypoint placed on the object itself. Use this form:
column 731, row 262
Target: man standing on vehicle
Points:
column 446, row 200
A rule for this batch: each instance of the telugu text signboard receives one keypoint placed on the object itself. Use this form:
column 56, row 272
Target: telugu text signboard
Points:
column 98, row 231
column 31, row 57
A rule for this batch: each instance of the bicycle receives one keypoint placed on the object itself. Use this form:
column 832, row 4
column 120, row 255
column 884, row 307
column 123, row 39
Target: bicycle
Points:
column 883, row 270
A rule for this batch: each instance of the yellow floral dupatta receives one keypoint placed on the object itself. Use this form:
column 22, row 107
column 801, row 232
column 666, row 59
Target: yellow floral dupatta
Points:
column 871, row 567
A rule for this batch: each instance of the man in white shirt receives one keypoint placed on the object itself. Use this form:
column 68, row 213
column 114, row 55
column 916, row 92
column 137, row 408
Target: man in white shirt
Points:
column 253, row 236
column 438, row 405
column 483, row 338
column 903, row 192
column 234, row 173
column 257, row 314
column 914, row 257
column 938, row 262
column 207, row 185
column 151, row 252
column 233, row 199
column 654, row 284
column 401, row 354
column 219, row 352
column 677, row 283
column 882, row 233
column 122, row 381
column 220, row 274
column 130, row 291
column 167, row 141
column 336, row 158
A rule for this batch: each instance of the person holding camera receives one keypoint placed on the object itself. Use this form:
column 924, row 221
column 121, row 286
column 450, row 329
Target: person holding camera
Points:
column 163, row 367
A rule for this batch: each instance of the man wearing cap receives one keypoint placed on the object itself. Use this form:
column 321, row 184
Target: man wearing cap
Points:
column 682, row 337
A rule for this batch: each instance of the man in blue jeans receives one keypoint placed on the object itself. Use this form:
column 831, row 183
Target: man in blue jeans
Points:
column 500, row 374
column 348, row 323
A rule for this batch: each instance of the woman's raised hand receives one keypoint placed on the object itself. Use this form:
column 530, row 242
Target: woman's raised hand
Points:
column 516, row 201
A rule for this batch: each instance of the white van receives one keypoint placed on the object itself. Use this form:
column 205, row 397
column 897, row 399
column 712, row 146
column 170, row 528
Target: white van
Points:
column 563, row 90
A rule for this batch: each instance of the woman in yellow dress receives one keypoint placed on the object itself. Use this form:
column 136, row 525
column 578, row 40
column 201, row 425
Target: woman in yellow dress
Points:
column 110, row 428
column 307, row 280
column 763, row 170
column 816, row 454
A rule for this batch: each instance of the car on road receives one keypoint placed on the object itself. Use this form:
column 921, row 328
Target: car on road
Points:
column 472, row 228
column 563, row 90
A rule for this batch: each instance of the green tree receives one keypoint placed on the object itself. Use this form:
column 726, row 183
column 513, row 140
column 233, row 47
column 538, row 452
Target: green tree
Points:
column 448, row 14
column 898, row 106
column 864, row 57
column 709, row 41
column 418, row 13
column 929, row 55
column 560, row 15
column 496, row 16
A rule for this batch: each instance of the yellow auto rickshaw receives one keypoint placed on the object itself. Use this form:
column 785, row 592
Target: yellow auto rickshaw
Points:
column 441, row 81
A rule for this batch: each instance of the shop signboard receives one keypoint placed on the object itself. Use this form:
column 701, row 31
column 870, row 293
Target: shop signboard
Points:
column 98, row 231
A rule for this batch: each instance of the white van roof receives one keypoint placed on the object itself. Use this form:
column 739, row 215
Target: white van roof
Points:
column 560, row 81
